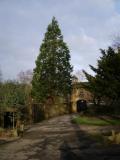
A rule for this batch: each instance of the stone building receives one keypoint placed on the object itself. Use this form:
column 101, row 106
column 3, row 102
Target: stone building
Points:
column 78, row 94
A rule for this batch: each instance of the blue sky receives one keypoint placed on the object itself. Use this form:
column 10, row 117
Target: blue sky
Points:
column 86, row 25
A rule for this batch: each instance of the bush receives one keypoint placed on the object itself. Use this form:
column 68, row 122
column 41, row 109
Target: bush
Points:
column 103, row 110
column 1, row 131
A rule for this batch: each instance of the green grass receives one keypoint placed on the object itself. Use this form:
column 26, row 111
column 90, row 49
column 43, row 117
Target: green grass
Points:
column 95, row 121
column 1, row 129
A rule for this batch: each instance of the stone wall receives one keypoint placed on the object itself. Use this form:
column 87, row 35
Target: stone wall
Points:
column 55, row 107
column 58, row 105
column 51, row 108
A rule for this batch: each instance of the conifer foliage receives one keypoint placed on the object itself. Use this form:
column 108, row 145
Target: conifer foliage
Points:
column 106, row 82
column 52, row 75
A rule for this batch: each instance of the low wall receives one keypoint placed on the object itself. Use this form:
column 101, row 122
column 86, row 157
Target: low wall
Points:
column 50, row 109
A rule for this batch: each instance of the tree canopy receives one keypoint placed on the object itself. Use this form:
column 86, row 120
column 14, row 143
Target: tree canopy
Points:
column 52, row 74
column 15, row 96
column 106, row 82
column 12, row 94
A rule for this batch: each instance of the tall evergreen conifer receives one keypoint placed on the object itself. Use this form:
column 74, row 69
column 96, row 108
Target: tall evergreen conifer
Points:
column 52, row 75
column 106, row 82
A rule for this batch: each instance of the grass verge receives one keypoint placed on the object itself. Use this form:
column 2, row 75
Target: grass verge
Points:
column 95, row 121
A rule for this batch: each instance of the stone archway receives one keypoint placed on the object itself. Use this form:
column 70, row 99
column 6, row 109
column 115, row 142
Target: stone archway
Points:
column 81, row 105
column 79, row 93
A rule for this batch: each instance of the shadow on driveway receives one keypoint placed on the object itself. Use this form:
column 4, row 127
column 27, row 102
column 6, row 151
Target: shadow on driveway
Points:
column 82, row 146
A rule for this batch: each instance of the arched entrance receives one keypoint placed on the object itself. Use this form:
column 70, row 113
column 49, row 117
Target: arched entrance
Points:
column 81, row 105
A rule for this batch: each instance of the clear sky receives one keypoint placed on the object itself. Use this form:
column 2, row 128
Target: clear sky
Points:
column 87, row 25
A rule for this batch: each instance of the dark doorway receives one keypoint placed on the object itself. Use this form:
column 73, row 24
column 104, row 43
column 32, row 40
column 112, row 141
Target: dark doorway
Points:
column 81, row 105
column 37, row 113
column 8, row 116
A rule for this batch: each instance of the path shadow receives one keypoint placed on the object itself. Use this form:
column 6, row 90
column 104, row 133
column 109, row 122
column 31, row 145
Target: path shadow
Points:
column 80, row 145
column 109, row 119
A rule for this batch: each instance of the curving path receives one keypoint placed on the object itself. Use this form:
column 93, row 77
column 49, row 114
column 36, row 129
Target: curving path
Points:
column 58, row 139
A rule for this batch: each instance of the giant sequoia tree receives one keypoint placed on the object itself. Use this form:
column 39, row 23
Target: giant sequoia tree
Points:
column 52, row 75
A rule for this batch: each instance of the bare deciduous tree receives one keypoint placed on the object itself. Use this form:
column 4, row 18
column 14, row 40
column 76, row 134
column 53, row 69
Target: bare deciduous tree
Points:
column 80, row 76
column 25, row 76
column 0, row 75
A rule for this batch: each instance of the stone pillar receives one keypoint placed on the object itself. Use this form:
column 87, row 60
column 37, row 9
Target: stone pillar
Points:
column 74, row 107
